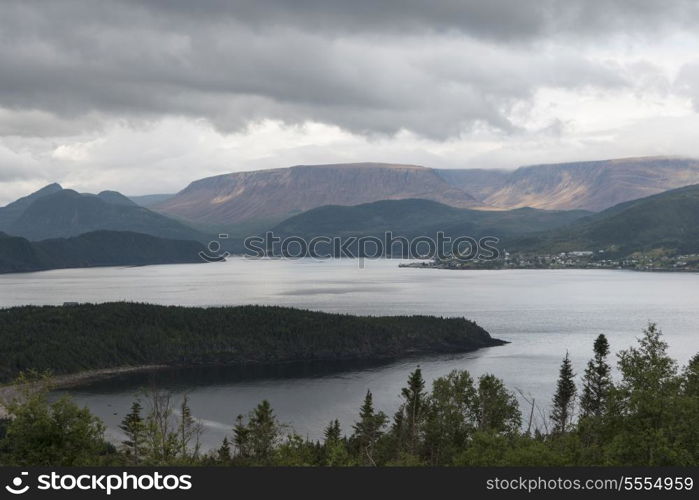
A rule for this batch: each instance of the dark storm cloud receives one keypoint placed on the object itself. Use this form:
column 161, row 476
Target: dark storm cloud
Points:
column 494, row 19
column 436, row 68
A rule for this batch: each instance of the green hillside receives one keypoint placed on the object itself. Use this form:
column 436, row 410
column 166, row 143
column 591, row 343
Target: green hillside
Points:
column 668, row 221
column 99, row 248
column 416, row 217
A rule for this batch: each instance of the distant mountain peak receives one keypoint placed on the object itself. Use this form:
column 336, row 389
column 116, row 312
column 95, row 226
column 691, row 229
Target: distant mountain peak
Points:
column 26, row 200
column 115, row 198
column 50, row 188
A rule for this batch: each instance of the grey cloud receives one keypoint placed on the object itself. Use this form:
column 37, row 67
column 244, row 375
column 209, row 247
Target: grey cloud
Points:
column 436, row 68
column 492, row 19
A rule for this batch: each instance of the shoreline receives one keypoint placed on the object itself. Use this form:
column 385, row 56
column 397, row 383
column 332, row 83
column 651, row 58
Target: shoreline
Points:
column 581, row 268
column 69, row 380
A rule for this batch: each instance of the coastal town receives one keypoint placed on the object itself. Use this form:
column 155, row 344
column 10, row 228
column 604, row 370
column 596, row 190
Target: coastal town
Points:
column 656, row 260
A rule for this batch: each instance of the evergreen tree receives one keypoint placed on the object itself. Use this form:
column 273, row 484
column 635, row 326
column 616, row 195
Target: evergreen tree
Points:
column 223, row 455
column 414, row 410
column 334, row 449
column 134, row 427
column 264, row 432
column 596, row 381
column 241, row 438
column 564, row 399
column 369, row 429
column 332, row 432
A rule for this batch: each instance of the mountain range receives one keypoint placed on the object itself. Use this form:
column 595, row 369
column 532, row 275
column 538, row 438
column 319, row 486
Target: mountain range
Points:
column 621, row 206
column 265, row 197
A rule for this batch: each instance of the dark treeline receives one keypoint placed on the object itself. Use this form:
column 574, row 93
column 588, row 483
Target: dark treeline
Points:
column 94, row 249
column 649, row 416
column 83, row 337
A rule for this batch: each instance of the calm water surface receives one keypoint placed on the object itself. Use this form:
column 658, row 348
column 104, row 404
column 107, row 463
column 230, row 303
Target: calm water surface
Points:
column 544, row 313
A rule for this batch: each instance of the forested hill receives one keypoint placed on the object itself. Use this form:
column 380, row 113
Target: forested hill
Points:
column 668, row 221
column 99, row 248
column 69, row 339
column 416, row 217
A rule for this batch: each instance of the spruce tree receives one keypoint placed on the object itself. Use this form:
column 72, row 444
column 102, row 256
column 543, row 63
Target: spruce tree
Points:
column 223, row 454
column 241, row 438
column 133, row 426
column 369, row 429
column 264, row 432
column 332, row 432
column 564, row 399
column 596, row 381
column 414, row 409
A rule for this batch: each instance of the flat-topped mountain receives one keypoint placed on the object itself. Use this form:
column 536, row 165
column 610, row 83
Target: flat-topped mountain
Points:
column 590, row 185
column 269, row 196
column 276, row 194
column 54, row 212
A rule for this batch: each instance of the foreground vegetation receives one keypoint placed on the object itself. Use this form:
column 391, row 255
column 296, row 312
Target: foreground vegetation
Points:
column 71, row 339
column 650, row 416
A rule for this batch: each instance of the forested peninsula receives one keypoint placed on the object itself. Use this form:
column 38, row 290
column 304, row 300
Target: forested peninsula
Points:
column 76, row 338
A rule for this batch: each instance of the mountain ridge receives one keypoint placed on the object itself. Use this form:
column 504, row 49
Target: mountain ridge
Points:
column 588, row 185
column 270, row 196
column 54, row 212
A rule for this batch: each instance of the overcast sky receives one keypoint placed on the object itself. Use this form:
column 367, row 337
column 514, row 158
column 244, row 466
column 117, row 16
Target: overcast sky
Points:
column 145, row 97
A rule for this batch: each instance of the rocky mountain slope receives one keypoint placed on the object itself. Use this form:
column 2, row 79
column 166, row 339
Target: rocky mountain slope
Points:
column 273, row 195
column 594, row 185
